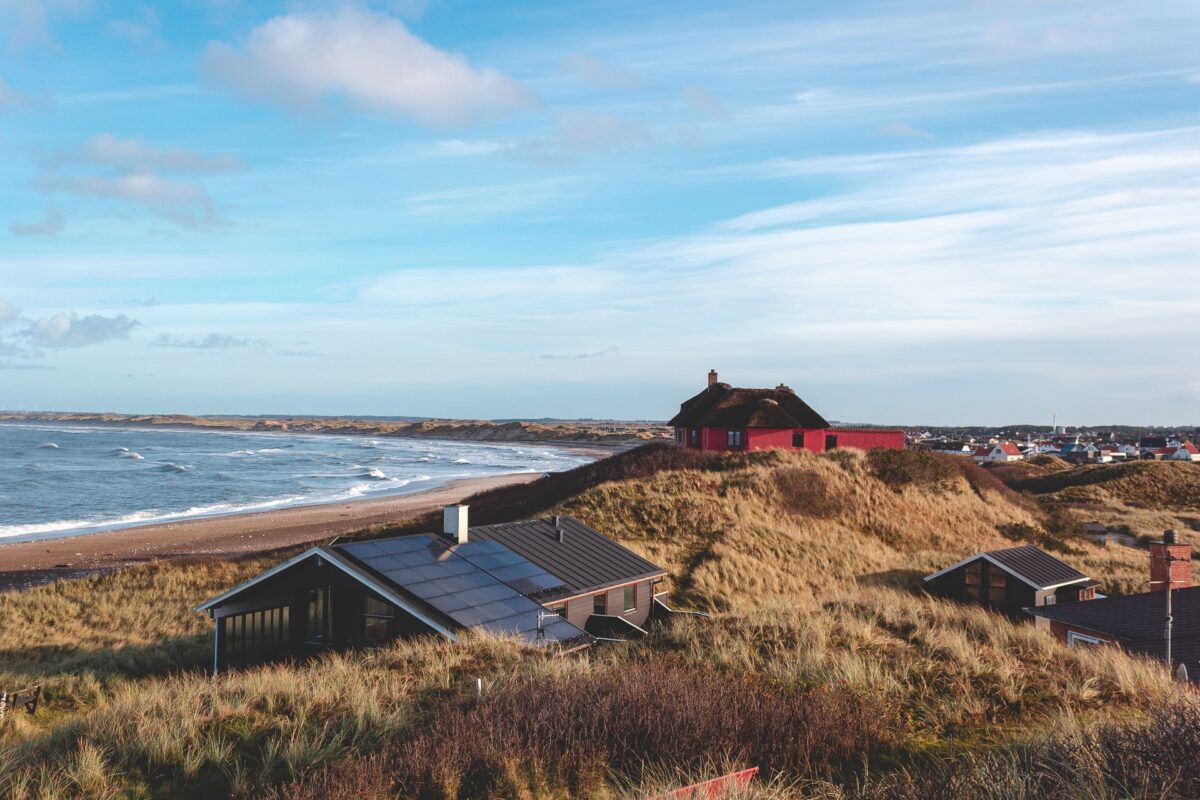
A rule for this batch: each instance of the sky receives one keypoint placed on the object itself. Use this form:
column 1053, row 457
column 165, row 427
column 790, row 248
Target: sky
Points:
column 912, row 213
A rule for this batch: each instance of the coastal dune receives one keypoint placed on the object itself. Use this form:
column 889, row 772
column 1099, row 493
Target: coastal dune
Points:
column 30, row 563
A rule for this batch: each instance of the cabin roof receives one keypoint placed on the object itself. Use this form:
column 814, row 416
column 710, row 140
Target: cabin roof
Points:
column 585, row 559
column 723, row 406
column 1030, row 564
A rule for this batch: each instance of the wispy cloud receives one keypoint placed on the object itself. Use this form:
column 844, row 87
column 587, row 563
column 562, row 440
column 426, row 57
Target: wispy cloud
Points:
column 608, row 351
column 213, row 341
column 53, row 224
column 68, row 330
column 308, row 61
column 605, row 76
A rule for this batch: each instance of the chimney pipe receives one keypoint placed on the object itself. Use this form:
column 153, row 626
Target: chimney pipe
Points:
column 712, row 377
column 558, row 530
column 454, row 523
column 1170, row 563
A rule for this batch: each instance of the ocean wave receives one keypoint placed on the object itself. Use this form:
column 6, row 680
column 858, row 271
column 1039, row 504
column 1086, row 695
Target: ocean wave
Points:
column 48, row 446
column 120, row 451
column 145, row 517
column 376, row 474
column 171, row 467
column 132, row 454
column 461, row 461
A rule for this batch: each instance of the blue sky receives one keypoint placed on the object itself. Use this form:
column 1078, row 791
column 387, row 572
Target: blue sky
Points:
column 912, row 213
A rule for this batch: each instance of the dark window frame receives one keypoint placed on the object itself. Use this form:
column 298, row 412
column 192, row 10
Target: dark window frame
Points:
column 831, row 441
column 733, row 439
column 600, row 603
column 377, row 614
column 318, row 607
column 798, row 439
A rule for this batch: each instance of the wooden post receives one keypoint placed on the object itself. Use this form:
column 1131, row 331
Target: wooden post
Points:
column 3, row 703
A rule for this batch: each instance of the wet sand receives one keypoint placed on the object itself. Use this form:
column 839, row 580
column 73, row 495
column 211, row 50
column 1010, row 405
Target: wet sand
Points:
column 24, row 564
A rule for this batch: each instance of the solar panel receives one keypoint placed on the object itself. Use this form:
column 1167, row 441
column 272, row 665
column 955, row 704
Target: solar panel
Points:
column 454, row 580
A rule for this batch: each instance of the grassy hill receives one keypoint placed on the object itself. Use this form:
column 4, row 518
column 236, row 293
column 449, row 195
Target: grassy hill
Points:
column 823, row 662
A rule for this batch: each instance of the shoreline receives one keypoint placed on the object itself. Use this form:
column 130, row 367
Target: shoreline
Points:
column 30, row 563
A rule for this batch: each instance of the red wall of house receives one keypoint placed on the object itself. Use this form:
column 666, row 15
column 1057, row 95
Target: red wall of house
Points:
column 867, row 439
column 716, row 439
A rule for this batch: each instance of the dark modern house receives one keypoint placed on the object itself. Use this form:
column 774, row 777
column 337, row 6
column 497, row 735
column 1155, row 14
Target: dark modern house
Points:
column 1137, row 622
column 551, row 581
column 1011, row 580
column 723, row 417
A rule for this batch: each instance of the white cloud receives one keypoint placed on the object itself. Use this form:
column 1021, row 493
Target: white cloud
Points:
column 52, row 225
column 213, row 341
column 588, row 131
column 138, row 155
column 27, row 22
column 600, row 74
column 8, row 313
column 65, row 330
column 184, row 203
column 307, row 60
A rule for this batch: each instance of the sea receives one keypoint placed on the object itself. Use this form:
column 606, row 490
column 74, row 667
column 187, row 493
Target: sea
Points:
column 61, row 480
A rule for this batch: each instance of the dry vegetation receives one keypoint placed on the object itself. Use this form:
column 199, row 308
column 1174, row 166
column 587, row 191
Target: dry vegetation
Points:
column 823, row 663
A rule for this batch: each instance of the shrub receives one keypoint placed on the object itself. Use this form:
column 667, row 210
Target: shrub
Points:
column 805, row 492
column 572, row 733
column 898, row 468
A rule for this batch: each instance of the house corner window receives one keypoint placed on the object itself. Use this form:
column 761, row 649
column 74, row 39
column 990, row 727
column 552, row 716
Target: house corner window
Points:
column 798, row 439
column 377, row 620
column 733, row 438
column 1080, row 640
column 695, row 434
column 600, row 603
column 831, row 442
column 630, row 598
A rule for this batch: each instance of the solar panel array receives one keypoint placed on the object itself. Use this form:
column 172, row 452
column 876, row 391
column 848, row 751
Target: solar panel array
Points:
column 509, row 567
column 460, row 588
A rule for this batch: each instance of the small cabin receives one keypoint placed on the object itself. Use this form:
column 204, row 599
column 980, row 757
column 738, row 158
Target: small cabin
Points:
column 1012, row 579
column 548, row 582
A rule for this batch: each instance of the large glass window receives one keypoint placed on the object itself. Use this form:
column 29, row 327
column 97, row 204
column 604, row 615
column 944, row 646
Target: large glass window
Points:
column 973, row 580
column 831, row 442
column 600, row 603
column 733, row 438
column 798, row 439
column 630, row 598
column 319, row 621
column 255, row 635
column 377, row 620
column 997, row 586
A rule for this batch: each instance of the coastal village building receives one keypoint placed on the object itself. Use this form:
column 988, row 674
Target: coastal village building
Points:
column 1011, row 580
column 999, row 452
column 1137, row 622
column 550, row 581
column 726, row 418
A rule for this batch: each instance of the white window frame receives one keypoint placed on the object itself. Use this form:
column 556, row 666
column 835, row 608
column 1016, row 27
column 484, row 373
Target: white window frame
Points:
column 1074, row 638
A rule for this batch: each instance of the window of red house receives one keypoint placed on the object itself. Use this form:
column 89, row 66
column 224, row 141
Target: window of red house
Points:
column 798, row 439
column 831, row 442
column 695, row 433
column 733, row 438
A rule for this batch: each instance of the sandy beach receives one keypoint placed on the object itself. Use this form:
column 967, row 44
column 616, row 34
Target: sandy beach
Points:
column 30, row 563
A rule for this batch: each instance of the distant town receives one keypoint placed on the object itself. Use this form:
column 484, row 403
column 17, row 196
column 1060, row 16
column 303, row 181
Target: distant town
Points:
column 1081, row 446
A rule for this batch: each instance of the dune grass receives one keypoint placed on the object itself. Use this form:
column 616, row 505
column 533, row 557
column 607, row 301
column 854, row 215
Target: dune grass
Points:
column 810, row 564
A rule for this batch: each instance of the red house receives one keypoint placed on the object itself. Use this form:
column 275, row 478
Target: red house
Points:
column 724, row 418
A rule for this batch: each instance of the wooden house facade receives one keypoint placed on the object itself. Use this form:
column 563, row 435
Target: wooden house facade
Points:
column 1011, row 580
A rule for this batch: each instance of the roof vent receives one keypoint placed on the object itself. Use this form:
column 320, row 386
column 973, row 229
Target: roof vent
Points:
column 783, row 387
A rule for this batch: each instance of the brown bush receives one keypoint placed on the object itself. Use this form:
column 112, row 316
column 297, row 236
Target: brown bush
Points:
column 899, row 468
column 805, row 492
column 571, row 734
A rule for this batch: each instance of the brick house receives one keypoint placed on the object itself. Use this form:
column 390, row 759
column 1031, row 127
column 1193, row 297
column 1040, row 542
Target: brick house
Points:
column 1137, row 622
column 723, row 417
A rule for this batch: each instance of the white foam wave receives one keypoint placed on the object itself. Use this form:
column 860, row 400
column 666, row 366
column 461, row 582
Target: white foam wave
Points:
column 48, row 446
column 144, row 517
column 131, row 454
column 171, row 467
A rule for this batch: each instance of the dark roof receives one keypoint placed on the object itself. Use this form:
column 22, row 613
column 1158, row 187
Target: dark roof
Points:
column 722, row 406
column 585, row 559
column 472, row 584
column 1036, row 566
column 1139, row 620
